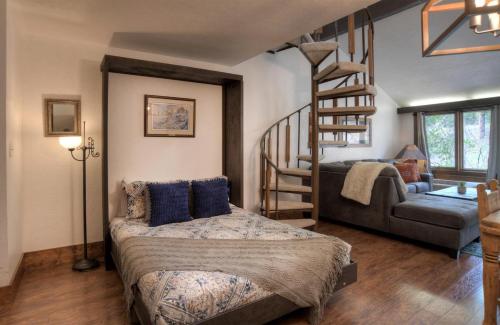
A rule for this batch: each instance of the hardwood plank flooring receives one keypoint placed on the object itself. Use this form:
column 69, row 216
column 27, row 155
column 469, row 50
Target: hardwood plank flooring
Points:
column 398, row 283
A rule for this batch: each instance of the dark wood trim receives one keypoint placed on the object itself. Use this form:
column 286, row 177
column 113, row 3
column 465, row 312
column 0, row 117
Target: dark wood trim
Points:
column 108, row 260
column 116, row 64
column 455, row 175
column 378, row 11
column 232, row 135
column 48, row 258
column 61, row 255
column 8, row 293
column 232, row 150
column 452, row 106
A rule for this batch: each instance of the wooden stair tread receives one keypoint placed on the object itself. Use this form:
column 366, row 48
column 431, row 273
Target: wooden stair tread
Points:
column 344, row 111
column 339, row 70
column 342, row 128
column 300, row 172
column 284, row 205
column 291, row 188
column 309, row 157
column 332, row 143
column 349, row 91
column 318, row 51
column 299, row 223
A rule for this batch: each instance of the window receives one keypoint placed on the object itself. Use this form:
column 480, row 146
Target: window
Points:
column 476, row 139
column 458, row 142
column 440, row 133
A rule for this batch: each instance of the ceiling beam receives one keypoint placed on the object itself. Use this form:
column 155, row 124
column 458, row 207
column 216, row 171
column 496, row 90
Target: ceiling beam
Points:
column 452, row 106
column 378, row 11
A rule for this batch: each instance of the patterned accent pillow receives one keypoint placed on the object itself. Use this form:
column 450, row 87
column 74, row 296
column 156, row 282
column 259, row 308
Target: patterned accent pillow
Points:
column 210, row 197
column 136, row 199
column 169, row 203
column 409, row 172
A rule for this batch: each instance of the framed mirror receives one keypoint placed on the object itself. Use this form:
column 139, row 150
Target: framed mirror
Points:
column 62, row 117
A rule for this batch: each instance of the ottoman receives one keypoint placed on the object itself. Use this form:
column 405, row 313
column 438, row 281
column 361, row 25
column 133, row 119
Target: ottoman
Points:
column 446, row 222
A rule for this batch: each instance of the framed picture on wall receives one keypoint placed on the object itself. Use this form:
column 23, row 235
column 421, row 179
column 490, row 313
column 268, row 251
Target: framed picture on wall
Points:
column 169, row 116
column 62, row 117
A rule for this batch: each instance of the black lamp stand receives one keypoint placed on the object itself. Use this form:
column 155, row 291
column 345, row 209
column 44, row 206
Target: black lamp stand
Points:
column 88, row 151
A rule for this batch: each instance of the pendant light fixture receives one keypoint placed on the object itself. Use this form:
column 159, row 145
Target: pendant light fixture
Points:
column 483, row 16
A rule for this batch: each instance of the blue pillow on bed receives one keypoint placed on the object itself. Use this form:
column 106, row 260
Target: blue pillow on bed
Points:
column 210, row 197
column 169, row 203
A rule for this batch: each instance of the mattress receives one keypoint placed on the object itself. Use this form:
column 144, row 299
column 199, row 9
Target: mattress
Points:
column 189, row 297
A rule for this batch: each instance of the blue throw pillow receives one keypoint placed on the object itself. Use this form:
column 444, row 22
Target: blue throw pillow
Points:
column 169, row 203
column 210, row 197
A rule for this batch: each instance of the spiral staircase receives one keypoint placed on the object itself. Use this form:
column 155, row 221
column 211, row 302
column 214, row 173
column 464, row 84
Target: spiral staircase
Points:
column 342, row 97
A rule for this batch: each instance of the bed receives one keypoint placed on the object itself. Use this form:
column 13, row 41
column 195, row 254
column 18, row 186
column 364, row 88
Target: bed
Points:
column 194, row 297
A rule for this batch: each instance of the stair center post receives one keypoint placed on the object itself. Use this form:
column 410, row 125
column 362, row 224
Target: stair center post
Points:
column 315, row 146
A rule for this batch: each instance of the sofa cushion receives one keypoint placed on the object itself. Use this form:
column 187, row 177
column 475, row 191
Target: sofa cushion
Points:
column 440, row 211
column 422, row 187
column 412, row 188
column 418, row 187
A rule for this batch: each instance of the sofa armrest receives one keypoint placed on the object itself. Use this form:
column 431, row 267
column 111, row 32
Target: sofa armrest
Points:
column 428, row 178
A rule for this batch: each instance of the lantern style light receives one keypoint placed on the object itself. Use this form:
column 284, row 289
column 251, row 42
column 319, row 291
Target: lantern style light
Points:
column 483, row 17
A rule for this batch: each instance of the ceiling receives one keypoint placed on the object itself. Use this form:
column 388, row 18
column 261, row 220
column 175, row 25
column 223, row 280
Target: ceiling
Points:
column 220, row 31
column 412, row 80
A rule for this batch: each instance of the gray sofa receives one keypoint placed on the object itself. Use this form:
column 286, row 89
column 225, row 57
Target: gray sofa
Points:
column 425, row 185
column 446, row 222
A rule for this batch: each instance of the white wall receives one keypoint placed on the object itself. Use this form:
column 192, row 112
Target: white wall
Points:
column 10, row 148
column 274, row 85
column 14, row 147
column 4, row 262
column 135, row 157
column 387, row 138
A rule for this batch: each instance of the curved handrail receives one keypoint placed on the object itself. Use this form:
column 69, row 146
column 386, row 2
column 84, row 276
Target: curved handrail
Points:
column 266, row 160
column 263, row 138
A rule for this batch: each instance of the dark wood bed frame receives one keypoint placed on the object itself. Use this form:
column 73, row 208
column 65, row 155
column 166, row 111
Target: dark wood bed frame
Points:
column 258, row 312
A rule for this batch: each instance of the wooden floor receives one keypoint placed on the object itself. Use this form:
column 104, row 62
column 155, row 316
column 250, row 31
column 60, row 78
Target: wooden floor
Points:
column 398, row 283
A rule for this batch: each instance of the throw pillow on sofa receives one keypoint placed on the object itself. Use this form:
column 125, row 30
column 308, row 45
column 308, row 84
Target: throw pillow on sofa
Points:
column 408, row 171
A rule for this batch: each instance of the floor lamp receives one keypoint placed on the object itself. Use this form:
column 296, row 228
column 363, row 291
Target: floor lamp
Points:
column 73, row 144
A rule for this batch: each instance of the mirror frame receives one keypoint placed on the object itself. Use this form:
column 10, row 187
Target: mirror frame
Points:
column 49, row 103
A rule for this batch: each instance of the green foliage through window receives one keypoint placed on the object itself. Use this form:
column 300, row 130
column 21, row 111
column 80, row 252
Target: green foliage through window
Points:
column 476, row 137
column 440, row 132
column 474, row 145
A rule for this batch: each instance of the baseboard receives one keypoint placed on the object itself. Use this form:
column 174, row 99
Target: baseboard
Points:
column 45, row 259
column 61, row 255
column 8, row 293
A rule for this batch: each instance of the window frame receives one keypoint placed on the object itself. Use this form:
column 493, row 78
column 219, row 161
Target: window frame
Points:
column 458, row 172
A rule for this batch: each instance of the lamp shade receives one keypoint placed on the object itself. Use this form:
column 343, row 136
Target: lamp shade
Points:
column 411, row 151
column 70, row 142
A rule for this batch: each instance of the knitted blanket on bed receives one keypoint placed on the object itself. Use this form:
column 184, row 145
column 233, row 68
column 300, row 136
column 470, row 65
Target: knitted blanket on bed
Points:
column 304, row 271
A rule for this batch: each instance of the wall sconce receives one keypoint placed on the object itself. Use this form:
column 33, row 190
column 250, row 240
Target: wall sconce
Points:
column 74, row 144
column 476, row 11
